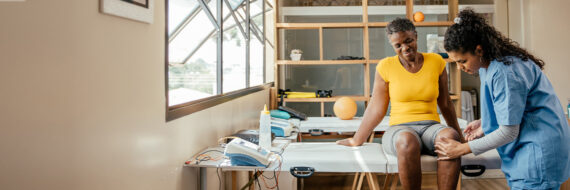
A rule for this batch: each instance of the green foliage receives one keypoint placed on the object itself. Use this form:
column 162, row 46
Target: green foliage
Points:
column 192, row 75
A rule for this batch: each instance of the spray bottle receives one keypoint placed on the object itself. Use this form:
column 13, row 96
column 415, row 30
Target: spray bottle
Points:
column 265, row 129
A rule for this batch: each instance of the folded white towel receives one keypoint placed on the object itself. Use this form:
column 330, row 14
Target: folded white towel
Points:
column 466, row 106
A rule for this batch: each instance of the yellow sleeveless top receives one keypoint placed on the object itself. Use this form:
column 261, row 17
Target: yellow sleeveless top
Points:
column 413, row 96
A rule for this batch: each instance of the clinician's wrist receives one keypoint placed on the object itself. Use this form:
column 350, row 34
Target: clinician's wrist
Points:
column 466, row 148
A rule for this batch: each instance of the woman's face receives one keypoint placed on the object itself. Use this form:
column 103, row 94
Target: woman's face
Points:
column 405, row 44
column 468, row 62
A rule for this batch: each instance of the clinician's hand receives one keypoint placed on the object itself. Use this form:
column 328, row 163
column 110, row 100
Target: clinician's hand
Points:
column 349, row 142
column 473, row 130
column 450, row 149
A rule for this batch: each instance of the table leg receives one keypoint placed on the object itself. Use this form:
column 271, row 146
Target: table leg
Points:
column 203, row 181
column 372, row 181
column 252, row 176
column 360, row 180
column 355, row 181
column 387, row 181
column 234, row 180
column 395, row 182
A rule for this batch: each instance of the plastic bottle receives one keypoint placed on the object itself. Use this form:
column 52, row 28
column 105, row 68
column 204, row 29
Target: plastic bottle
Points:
column 265, row 129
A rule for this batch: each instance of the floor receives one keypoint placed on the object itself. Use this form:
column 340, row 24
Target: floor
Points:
column 429, row 182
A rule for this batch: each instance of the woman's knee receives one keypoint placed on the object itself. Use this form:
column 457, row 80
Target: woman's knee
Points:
column 447, row 133
column 407, row 142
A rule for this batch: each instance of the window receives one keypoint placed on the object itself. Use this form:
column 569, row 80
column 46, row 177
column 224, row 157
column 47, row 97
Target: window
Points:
column 215, row 49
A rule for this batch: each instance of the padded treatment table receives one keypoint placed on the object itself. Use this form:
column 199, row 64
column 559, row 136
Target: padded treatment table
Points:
column 368, row 158
column 490, row 160
column 330, row 157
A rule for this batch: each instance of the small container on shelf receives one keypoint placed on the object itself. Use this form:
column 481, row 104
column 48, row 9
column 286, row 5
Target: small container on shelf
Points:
column 296, row 54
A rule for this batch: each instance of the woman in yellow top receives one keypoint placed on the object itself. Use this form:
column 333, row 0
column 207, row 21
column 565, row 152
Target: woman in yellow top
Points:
column 415, row 83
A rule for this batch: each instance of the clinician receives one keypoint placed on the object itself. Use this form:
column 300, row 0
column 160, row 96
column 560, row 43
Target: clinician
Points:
column 520, row 113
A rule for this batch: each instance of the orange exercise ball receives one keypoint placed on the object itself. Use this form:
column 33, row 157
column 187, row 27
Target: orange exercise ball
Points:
column 344, row 108
column 419, row 16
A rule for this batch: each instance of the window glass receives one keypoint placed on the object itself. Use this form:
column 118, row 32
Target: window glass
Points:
column 196, row 79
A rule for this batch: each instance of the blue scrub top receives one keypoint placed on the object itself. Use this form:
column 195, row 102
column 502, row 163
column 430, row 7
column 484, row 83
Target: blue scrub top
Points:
column 520, row 93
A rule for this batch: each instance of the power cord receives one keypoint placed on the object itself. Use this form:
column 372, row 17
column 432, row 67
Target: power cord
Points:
column 219, row 178
column 275, row 176
column 205, row 157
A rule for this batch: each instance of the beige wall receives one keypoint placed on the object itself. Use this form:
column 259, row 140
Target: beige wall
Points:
column 501, row 16
column 539, row 27
column 543, row 30
column 82, row 102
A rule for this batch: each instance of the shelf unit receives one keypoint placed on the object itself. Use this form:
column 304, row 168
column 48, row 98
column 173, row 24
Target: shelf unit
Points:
column 364, row 10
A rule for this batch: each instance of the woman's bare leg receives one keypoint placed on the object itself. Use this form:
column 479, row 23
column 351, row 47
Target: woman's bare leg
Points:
column 448, row 170
column 409, row 166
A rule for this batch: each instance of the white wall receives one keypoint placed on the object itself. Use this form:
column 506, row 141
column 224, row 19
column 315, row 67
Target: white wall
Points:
column 83, row 105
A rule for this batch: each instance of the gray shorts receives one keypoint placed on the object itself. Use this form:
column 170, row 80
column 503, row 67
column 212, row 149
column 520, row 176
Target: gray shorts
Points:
column 424, row 131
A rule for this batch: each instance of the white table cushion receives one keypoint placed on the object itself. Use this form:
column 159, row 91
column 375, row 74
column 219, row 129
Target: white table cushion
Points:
column 330, row 157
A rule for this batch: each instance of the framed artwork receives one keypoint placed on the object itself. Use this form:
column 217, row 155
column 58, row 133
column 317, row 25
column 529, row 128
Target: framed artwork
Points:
column 139, row 10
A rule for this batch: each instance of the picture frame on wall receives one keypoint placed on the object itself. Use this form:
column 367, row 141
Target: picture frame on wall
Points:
column 139, row 10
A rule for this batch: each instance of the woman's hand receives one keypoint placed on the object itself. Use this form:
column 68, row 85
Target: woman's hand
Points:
column 349, row 142
column 450, row 149
column 473, row 130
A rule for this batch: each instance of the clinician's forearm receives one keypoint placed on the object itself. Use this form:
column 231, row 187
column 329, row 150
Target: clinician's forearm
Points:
column 497, row 138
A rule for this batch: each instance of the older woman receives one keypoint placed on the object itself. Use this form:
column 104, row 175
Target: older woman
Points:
column 415, row 84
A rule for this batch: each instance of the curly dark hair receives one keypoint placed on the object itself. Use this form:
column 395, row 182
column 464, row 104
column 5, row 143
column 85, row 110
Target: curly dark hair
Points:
column 472, row 29
column 400, row 25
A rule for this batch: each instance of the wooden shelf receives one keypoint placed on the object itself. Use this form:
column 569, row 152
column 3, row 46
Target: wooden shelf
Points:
column 374, row 61
column 376, row 10
column 355, row 25
column 377, row 24
column 319, row 25
column 332, row 99
column 319, row 62
column 439, row 23
column 364, row 23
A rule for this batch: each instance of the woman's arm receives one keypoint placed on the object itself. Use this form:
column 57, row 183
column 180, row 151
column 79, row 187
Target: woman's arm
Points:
column 446, row 106
column 373, row 115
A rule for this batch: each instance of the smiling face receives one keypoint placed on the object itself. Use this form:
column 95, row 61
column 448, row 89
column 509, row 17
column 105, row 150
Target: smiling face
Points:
column 469, row 62
column 405, row 44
